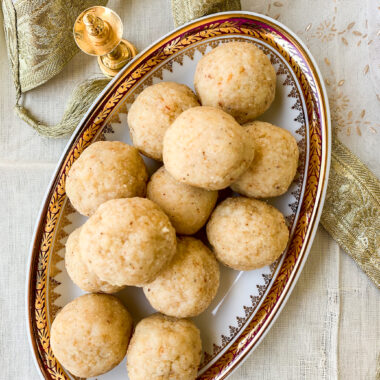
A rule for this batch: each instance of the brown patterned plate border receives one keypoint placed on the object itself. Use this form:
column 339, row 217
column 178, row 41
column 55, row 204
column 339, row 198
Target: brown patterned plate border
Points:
column 314, row 93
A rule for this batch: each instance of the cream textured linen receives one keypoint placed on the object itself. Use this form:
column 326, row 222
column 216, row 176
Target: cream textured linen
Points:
column 330, row 327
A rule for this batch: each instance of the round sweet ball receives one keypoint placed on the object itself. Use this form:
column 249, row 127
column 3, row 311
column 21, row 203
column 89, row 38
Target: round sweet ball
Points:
column 105, row 170
column 154, row 111
column 205, row 147
column 164, row 348
column 90, row 335
column 274, row 165
column 79, row 272
column 188, row 207
column 246, row 233
column 238, row 78
column 128, row 241
column 188, row 285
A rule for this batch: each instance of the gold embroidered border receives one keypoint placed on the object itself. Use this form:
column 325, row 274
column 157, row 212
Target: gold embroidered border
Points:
column 351, row 214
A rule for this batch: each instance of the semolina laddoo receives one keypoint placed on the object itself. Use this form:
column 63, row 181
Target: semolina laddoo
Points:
column 79, row 272
column 246, row 233
column 205, row 147
column 188, row 207
column 164, row 348
column 238, row 78
column 105, row 170
column 154, row 111
column 274, row 165
column 186, row 287
column 90, row 335
column 127, row 241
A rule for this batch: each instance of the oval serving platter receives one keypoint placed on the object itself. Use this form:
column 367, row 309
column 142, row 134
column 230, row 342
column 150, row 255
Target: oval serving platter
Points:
column 247, row 303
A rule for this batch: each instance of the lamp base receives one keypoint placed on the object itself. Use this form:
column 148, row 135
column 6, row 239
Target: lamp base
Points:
column 112, row 63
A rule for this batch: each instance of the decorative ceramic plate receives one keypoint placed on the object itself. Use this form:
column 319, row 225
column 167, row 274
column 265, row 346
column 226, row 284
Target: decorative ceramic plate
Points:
column 247, row 302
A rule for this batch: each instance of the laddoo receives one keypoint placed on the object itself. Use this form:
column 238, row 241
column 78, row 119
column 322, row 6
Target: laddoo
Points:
column 78, row 271
column 274, row 165
column 238, row 78
column 186, row 287
column 205, row 147
column 90, row 335
column 246, row 233
column 164, row 348
column 105, row 170
column 188, row 207
column 127, row 241
column 153, row 111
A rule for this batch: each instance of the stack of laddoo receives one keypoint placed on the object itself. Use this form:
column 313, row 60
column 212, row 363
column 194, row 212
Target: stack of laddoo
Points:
column 138, row 230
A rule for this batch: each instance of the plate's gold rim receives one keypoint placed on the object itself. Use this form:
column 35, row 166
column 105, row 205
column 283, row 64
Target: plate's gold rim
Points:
column 321, row 184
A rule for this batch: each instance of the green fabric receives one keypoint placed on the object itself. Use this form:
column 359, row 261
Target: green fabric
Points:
column 40, row 37
column 351, row 213
column 186, row 10
column 40, row 43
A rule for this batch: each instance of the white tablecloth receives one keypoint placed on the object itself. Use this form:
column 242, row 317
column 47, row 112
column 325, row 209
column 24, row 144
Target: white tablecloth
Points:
column 330, row 327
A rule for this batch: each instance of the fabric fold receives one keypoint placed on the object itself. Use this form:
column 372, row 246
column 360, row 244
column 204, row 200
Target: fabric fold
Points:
column 81, row 100
column 186, row 10
column 39, row 38
column 351, row 213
